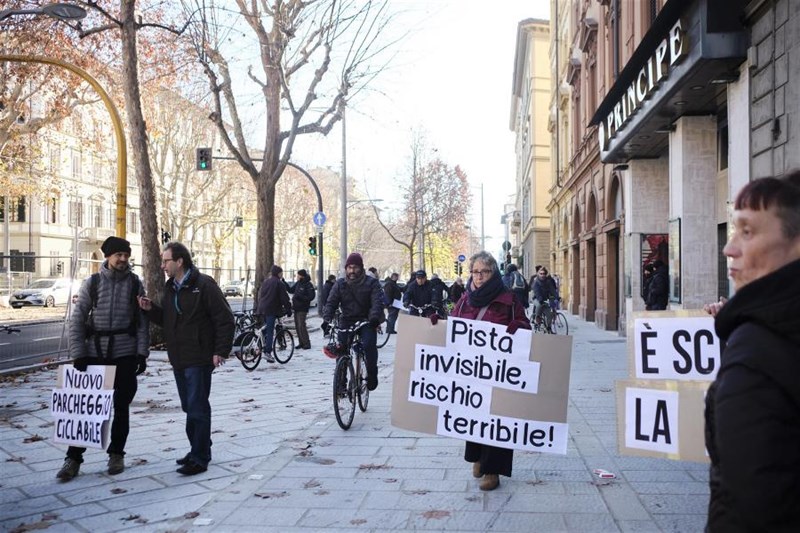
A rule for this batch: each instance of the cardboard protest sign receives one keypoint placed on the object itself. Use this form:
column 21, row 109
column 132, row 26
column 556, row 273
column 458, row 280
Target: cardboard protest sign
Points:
column 662, row 419
column 673, row 358
column 81, row 404
column 473, row 381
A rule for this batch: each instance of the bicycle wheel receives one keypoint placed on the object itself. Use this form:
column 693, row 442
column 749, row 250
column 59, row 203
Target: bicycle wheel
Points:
column 383, row 335
column 361, row 375
column 344, row 391
column 561, row 324
column 250, row 351
column 548, row 319
column 283, row 346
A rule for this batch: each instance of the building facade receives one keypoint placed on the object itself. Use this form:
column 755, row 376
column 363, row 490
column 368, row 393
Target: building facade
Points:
column 672, row 107
column 528, row 219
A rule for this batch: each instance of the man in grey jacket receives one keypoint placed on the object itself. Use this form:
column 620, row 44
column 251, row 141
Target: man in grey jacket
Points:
column 108, row 328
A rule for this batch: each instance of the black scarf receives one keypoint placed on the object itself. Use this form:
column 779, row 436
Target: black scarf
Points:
column 487, row 292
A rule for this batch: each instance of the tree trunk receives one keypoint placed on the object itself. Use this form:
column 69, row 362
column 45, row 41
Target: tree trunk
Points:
column 151, row 260
column 265, row 234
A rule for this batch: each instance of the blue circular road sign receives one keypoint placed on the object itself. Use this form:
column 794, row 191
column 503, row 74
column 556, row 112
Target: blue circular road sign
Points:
column 319, row 218
column 462, row 258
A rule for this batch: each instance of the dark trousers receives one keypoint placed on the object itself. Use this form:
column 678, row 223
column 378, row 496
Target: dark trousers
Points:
column 391, row 318
column 125, row 385
column 369, row 339
column 194, row 388
column 493, row 460
column 301, row 329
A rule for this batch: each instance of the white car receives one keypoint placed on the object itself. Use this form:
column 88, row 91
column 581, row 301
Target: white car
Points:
column 45, row 292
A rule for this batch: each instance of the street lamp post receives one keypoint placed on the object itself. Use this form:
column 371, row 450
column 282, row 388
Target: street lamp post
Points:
column 343, row 196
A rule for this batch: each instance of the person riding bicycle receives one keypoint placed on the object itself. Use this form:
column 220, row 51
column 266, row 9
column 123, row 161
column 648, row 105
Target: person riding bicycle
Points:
column 423, row 295
column 360, row 298
column 544, row 290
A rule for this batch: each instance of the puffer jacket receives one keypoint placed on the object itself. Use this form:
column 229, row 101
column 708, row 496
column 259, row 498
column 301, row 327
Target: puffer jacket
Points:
column 197, row 320
column 359, row 301
column 115, row 311
column 753, row 409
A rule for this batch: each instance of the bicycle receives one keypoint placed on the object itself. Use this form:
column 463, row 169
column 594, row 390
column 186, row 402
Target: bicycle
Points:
column 383, row 335
column 551, row 320
column 251, row 345
column 350, row 373
column 420, row 311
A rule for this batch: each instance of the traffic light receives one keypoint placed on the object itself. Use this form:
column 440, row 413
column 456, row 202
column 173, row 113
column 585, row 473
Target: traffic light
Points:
column 165, row 236
column 204, row 159
column 455, row 267
column 238, row 222
column 312, row 245
column 60, row 267
column 460, row 268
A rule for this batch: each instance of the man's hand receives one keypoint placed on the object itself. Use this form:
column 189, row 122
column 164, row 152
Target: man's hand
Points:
column 145, row 304
column 434, row 319
column 218, row 360
column 326, row 328
column 141, row 364
column 81, row 363
column 713, row 309
column 374, row 322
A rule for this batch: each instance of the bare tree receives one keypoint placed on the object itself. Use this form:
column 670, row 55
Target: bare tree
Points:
column 310, row 53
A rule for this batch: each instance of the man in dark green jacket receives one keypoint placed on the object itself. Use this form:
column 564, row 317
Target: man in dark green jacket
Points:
column 198, row 329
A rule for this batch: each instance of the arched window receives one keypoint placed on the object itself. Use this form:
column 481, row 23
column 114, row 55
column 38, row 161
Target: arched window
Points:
column 591, row 213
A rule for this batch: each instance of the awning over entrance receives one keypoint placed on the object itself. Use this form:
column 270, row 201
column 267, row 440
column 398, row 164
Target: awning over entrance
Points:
column 680, row 68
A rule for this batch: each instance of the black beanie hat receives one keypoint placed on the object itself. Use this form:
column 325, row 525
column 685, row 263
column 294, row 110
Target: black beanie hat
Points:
column 113, row 245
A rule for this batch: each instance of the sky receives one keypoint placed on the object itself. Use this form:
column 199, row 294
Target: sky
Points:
column 452, row 79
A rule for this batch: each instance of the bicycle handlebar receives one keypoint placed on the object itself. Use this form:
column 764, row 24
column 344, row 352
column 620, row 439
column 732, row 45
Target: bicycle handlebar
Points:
column 352, row 329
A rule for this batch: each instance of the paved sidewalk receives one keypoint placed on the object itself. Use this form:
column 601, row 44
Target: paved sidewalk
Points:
column 281, row 463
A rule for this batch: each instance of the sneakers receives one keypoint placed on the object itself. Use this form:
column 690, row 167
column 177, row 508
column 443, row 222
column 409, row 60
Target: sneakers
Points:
column 191, row 468
column 490, row 482
column 69, row 470
column 116, row 463
column 476, row 469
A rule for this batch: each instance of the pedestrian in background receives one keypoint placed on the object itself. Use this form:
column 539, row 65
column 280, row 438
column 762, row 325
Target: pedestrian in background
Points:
column 273, row 302
column 303, row 294
column 658, row 288
column 488, row 299
column 392, row 292
column 107, row 328
column 515, row 282
column 647, row 278
column 325, row 291
column 753, row 407
column 457, row 290
column 198, row 330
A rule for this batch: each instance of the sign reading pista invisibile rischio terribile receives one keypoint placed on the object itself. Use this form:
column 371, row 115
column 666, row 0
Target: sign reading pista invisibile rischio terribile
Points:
column 473, row 381
column 81, row 405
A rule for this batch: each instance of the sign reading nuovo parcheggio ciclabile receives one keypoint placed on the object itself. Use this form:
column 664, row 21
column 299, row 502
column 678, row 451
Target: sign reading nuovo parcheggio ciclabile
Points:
column 81, row 405
column 674, row 356
column 473, row 381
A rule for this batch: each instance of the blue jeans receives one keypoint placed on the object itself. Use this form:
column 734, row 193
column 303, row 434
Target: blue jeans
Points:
column 268, row 331
column 194, row 388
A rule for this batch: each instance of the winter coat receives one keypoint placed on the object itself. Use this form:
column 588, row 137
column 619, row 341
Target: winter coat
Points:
column 360, row 301
column 545, row 289
column 502, row 310
column 421, row 295
column 197, row 321
column 303, row 294
column 658, row 290
column 115, row 310
column 392, row 292
column 326, row 290
column 753, row 409
column 456, row 291
column 273, row 298
column 439, row 289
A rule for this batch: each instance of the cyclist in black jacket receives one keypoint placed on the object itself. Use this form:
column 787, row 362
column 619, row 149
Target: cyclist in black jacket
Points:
column 360, row 298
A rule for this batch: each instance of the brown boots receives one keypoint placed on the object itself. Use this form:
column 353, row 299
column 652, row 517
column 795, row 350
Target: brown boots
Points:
column 489, row 481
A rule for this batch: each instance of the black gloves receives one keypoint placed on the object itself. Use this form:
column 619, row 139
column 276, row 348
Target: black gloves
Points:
column 142, row 364
column 326, row 328
column 289, row 313
column 81, row 363
column 374, row 322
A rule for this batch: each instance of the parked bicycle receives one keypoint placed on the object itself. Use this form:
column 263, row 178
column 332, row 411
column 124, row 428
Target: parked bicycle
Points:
column 9, row 329
column 251, row 345
column 350, row 373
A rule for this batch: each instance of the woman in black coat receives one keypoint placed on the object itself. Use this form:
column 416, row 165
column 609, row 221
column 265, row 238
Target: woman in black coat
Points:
column 753, row 407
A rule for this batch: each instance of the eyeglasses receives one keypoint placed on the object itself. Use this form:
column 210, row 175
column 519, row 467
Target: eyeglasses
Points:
column 165, row 261
column 482, row 273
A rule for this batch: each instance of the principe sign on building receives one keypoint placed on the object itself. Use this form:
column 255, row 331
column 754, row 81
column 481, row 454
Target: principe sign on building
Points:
column 674, row 48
